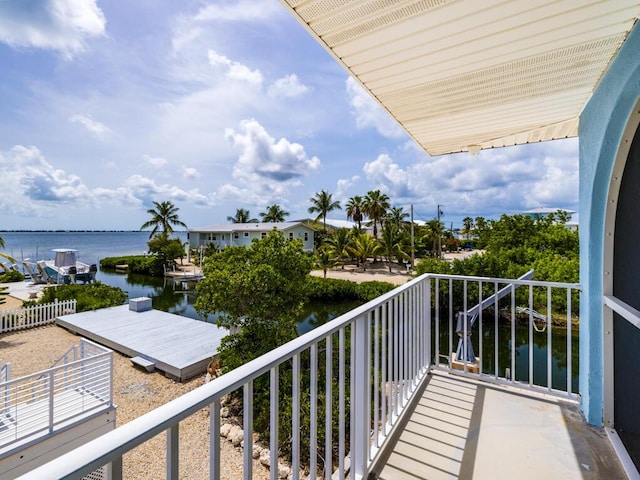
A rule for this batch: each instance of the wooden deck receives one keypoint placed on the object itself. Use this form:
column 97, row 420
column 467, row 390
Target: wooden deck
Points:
column 178, row 346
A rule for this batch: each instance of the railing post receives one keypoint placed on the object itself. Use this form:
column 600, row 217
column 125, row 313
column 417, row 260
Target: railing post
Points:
column 214, row 440
column 360, row 408
column 50, row 401
column 173, row 451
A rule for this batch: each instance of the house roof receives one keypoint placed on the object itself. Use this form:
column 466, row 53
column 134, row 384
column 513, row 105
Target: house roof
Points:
column 248, row 227
column 464, row 75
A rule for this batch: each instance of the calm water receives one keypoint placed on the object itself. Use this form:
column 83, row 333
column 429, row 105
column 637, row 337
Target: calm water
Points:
column 170, row 297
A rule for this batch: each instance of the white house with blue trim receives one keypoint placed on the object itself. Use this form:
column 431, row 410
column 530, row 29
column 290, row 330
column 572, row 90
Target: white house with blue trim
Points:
column 242, row 234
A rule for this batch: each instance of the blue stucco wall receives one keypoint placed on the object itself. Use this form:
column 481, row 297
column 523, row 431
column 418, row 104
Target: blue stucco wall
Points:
column 602, row 125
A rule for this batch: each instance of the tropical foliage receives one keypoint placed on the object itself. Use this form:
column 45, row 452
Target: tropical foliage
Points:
column 323, row 203
column 163, row 217
column 375, row 207
column 274, row 213
column 242, row 216
column 355, row 210
column 91, row 296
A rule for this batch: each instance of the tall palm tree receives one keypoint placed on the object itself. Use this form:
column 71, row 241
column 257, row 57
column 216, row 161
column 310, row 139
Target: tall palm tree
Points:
column 398, row 217
column 163, row 216
column 355, row 212
column 338, row 244
column 364, row 246
column 434, row 232
column 323, row 203
column 468, row 225
column 274, row 214
column 242, row 216
column 1, row 242
column 376, row 205
column 393, row 243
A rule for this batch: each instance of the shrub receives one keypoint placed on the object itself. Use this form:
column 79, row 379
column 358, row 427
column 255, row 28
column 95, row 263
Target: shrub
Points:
column 89, row 297
column 433, row 265
column 141, row 264
column 11, row 276
column 369, row 290
column 331, row 289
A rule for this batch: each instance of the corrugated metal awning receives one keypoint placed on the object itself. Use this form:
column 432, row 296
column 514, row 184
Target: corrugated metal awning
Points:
column 460, row 75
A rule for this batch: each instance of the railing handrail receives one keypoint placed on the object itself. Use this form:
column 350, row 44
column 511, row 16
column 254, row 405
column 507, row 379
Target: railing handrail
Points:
column 114, row 444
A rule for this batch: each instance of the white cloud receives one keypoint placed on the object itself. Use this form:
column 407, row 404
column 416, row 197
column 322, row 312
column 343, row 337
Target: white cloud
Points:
column 100, row 130
column 243, row 11
column 62, row 25
column 344, row 189
column 189, row 173
column 287, row 87
column 496, row 181
column 368, row 114
column 28, row 180
column 266, row 169
column 157, row 162
column 234, row 70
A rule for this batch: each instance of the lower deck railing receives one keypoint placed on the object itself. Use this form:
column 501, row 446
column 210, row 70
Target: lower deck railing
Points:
column 341, row 388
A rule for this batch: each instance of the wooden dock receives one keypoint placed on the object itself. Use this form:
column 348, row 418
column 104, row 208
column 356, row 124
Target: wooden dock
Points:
column 178, row 346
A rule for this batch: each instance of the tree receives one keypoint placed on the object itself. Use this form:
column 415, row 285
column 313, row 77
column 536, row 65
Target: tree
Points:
column 163, row 216
column 355, row 212
column 375, row 206
column 398, row 217
column 242, row 216
column 434, row 230
column 323, row 203
column 262, row 283
column 364, row 246
column 468, row 225
column 393, row 243
column 338, row 244
column 324, row 260
column 165, row 250
column 273, row 214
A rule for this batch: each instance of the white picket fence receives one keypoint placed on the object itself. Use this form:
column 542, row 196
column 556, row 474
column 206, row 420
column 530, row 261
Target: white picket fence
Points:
column 35, row 315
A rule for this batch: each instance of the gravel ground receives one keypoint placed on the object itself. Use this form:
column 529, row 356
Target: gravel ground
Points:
column 136, row 393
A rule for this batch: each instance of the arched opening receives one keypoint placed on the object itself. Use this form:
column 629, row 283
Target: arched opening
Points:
column 621, row 288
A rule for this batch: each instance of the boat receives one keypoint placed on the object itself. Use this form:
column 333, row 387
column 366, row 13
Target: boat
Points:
column 65, row 268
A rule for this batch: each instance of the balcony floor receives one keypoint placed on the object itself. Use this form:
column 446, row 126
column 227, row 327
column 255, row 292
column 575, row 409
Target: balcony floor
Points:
column 466, row 429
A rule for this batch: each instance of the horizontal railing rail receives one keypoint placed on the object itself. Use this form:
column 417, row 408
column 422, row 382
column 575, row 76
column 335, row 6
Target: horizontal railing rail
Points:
column 35, row 315
column 347, row 382
column 37, row 403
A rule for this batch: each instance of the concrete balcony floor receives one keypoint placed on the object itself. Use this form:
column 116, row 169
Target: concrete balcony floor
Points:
column 463, row 429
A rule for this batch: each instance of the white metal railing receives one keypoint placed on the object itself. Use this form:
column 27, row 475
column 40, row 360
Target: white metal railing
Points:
column 36, row 404
column 373, row 358
column 524, row 335
column 34, row 315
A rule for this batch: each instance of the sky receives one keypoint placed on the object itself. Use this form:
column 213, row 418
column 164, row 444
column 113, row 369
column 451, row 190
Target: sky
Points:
column 108, row 106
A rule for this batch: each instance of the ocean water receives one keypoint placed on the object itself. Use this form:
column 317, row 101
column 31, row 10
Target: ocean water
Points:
column 91, row 246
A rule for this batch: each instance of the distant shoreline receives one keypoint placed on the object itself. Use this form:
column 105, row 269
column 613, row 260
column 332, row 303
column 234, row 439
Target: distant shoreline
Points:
column 81, row 231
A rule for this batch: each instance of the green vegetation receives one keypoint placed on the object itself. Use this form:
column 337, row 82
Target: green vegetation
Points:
column 139, row 264
column 323, row 203
column 242, row 216
column 330, row 289
column 91, row 296
column 163, row 216
column 11, row 276
column 274, row 213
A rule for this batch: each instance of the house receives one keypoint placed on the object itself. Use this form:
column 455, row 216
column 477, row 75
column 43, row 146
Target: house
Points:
column 466, row 76
column 242, row 234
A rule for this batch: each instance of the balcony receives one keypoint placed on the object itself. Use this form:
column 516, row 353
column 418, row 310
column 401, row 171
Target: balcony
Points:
column 506, row 405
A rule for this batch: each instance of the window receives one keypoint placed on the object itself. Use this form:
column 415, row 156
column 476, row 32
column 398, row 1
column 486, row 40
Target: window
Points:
column 290, row 235
column 212, row 236
column 246, row 234
column 264, row 234
column 235, row 235
column 306, row 236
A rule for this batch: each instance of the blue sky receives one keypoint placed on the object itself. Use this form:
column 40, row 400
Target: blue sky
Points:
column 106, row 107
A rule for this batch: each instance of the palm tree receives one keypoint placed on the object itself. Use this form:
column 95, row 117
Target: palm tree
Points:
column 1, row 242
column 242, row 216
column 323, row 204
column 163, row 216
column 375, row 206
column 338, row 244
column 355, row 212
column 398, row 217
column 364, row 246
column 273, row 214
column 434, row 232
column 324, row 260
column 468, row 225
column 393, row 243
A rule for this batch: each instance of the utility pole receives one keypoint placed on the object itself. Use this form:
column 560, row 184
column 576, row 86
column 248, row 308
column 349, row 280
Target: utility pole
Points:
column 413, row 256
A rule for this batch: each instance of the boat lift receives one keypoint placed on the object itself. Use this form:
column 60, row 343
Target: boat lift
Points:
column 465, row 352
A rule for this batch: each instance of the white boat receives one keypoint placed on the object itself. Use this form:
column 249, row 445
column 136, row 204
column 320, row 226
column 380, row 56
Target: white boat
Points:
column 65, row 268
